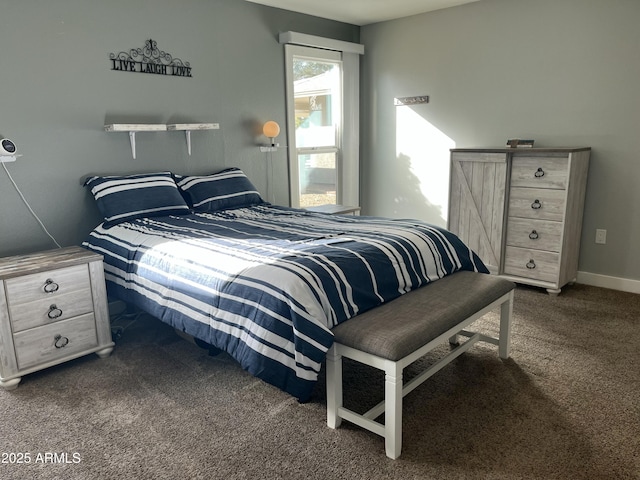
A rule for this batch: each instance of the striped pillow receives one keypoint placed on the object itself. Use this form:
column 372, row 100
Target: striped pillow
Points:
column 122, row 198
column 224, row 190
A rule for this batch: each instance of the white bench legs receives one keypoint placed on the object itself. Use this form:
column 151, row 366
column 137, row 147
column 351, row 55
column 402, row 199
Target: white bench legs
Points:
column 393, row 411
column 334, row 387
column 394, row 390
column 392, row 406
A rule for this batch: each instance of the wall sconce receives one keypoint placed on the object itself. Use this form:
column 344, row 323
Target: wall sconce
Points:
column 270, row 130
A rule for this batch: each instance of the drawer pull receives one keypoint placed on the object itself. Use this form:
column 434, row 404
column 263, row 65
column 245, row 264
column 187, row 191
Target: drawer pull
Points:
column 50, row 286
column 60, row 342
column 533, row 235
column 531, row 264
column 536, row 204
column 54, row 312
column 539, row 173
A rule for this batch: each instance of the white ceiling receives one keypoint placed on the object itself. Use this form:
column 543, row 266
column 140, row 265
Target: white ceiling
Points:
column 362, row 12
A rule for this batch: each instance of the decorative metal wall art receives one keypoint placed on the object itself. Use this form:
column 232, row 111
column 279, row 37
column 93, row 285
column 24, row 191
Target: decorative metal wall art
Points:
column 399, row 101
column 149, row 59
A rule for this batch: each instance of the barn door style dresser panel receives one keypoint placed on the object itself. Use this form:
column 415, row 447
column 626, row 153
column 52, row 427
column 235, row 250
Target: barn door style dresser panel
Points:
column 53, row 308
column 520, row 210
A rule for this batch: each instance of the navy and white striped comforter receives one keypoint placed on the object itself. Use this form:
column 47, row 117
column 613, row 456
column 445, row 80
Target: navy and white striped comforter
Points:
column 266, row 284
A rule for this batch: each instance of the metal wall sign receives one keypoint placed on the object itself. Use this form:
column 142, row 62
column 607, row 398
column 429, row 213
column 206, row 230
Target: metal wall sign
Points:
column 399, row 101
column 149, row 59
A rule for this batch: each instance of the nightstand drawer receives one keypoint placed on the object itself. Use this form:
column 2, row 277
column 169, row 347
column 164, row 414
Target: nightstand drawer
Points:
column 533, row 264
column 535, row 234
column 49, row 284
column 539, row 203
column 540, row 172
column 53, row 308
column 49, row 310
column 52, row 342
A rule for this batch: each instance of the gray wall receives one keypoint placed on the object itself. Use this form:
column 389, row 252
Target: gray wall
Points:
column 563, row 72
column 58, row 90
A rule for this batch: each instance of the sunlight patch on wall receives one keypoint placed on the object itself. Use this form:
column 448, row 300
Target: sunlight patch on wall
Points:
column 427, row 150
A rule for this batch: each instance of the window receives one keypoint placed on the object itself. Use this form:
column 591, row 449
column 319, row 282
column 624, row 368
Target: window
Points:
column 322, row 120
column 317, row 93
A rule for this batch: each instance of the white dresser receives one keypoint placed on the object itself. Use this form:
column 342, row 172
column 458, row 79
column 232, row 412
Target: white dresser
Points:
column 53, row 308
column 521, row 210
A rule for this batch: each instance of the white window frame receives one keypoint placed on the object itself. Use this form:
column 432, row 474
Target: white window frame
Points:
column 348, row 141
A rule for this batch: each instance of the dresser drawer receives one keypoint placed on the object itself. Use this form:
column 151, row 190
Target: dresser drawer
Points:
column 535, row 234
column 48, row 343
column 50, row 309
column 492, row 211
column 533, row 264
column 49, row 284
column 539, row 172
column 537, row 203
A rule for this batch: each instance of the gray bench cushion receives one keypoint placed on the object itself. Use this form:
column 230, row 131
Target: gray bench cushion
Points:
column 401, row 326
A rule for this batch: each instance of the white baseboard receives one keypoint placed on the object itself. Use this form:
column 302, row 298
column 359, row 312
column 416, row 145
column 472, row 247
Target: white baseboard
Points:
column 605, row 281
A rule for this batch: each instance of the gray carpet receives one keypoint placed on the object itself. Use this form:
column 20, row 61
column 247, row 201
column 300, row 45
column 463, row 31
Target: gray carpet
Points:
column 565, row 406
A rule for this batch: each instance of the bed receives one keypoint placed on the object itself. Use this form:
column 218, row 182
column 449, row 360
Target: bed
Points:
column 264, row 283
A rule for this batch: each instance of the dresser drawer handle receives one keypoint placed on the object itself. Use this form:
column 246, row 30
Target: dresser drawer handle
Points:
column 539, row 173
column 531, row 264
column 60, row 342
column 533, row 235
column 536, row 204
column 50, row 286
column 54, row 312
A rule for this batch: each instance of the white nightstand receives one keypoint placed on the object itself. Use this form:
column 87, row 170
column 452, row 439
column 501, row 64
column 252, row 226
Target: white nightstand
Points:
column 53, row 308
column 335, row 209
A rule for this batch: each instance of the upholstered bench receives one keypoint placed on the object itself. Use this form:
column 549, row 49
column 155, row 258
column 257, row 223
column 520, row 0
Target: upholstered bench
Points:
column 398, row 333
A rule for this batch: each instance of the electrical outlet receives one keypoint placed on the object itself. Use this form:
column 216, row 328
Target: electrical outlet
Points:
column 601, row 236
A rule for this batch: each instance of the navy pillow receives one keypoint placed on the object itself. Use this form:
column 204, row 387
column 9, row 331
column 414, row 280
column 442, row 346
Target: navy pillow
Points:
column 224, row 190
column 122, row 198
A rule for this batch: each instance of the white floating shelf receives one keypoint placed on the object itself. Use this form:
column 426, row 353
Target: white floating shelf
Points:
column 193, row 126
column 189, row 127
column 135, row 127
column 132, row 128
